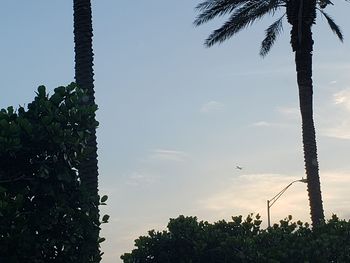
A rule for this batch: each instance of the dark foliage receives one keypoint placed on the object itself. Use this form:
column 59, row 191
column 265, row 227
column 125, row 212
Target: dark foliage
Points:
column 243, row 13
column 45, row 213
column 188, row 240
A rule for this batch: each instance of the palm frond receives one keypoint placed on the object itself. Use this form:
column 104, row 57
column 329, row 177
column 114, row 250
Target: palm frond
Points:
column 209, row 4
column 334, row 27
column 216, row 8
column 323, row 3
column 271, row 35
column 242, row 17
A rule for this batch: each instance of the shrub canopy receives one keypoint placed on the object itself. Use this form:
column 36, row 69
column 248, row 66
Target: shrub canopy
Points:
column 188, row 240
column 44, row 216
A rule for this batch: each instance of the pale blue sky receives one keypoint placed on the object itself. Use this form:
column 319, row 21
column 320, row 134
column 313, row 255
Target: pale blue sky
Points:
column 176, row 118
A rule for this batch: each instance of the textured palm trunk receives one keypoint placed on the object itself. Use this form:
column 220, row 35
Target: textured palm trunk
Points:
column 303, row 60
column 88, row 170
column 301, row 14
column 84, row 77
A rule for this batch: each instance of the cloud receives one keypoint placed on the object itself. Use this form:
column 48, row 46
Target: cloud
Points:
column 261, row 124
column 290, row 112
column 212, row 106
column 259, row 71
column 250, row 192
column 335, row 189
column 168, row 155
column 334, row 66
column 281, row 125
column 337, row 124
column 152, row 169
column 342, row 98
column 139, row 178
column 341, row 130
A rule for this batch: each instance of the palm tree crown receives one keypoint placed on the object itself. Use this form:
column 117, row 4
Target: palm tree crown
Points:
column 243, row 13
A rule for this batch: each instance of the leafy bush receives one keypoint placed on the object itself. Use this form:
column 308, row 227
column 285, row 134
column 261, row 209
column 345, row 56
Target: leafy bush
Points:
column 45, row 215
column 188, row 240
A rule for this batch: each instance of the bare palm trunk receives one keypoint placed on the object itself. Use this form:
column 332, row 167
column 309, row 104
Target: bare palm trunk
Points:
column 88, row 170
column 84, row 79
column 303, row 65
column 301, row 16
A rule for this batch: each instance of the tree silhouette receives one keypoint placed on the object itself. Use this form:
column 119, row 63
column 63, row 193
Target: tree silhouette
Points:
column 88, row 169
column 301, row 15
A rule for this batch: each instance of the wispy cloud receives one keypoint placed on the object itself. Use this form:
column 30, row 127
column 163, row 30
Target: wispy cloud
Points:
column 289, row 115
column 290, row 112
column 337, row 124
column 342, row 98
column 260, row 71
column 250, row 192
column 212, row 106
column 140, row 178
column 261, row 124
column 168, row 155
column 333, row 66
column 340, row 130
column 266, row 124
column 155, row 166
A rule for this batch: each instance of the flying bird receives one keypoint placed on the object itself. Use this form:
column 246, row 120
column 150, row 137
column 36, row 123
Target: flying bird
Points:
column 239, row 167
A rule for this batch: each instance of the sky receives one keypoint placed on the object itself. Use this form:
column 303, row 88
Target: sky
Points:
column 176, row 117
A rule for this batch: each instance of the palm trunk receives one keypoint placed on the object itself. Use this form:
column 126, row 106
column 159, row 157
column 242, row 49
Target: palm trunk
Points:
column 303, row 62
column 302, row 16
column 84, row 79
column 88, row 170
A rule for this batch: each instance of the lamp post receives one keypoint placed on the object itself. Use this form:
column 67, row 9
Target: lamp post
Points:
column 271, row 201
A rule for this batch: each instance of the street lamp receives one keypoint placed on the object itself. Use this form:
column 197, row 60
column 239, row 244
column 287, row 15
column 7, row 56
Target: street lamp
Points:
column 275, row 198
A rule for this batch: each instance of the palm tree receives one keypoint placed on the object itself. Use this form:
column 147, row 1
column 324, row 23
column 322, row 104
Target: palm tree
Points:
column 301, row 15
column 88, row 170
